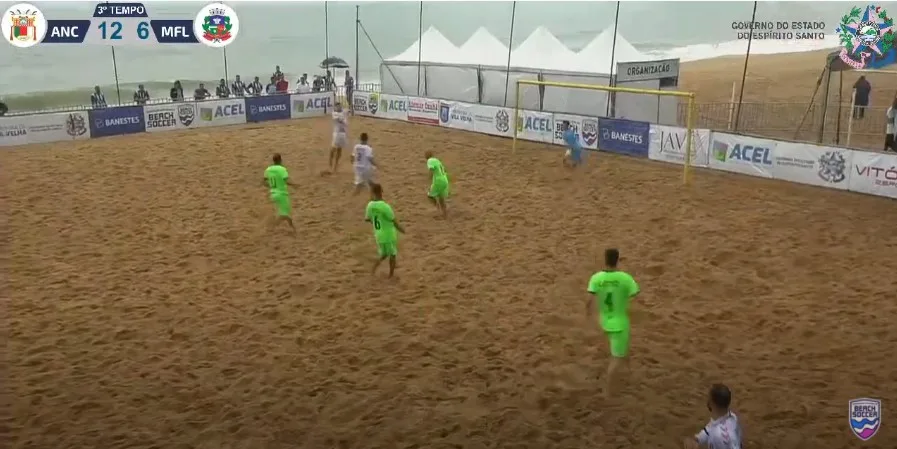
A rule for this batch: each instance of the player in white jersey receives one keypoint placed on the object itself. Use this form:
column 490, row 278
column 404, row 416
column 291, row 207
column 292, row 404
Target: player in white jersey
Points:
column 340, row 125
column 723, row 431
column 363, row 161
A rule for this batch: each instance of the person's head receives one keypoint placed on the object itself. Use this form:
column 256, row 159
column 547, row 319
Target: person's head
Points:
column 328, row 72
column 304, row 77
column 428, row 154
column 256, row 78
column 273, row 79
column 566, row 125
column 96, row 89
column 238, row 77
column 611, row 257
column 177, row 84
column 277, row 68
column 363, row 138
column 222, row 81
column 376, row 192
column 202, row 85
column 719, row 399
column 140, row 87
column 347, row 74
column 277, row 159
column 862, row 78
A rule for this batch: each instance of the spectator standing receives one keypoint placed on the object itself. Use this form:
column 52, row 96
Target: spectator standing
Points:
column 317, row 84
column 238, row 88
column 201, row 93
column 3, row 109
column 255, row 88
column 723, row 431
column 141, row 96
column 891, row 131
column 302, row 86
column 221, row 91
column 277, row 73
column 97, row 99
column 282, row 85
column 271, row 88
column 177, row 92
column 329, row 84
column 349, row 84
column 861, row 90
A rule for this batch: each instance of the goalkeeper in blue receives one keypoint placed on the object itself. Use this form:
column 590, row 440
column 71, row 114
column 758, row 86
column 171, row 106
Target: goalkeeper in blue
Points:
column 573, row 155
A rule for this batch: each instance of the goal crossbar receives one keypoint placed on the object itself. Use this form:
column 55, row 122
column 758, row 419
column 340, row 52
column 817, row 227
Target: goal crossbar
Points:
column 689, row 141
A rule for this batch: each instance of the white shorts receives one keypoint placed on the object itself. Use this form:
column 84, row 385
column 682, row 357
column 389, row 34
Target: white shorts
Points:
column 339, row 140
column 363, row 176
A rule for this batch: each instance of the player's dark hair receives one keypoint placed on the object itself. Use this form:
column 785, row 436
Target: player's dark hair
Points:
column 277, row 159
column 364, row 137
column 720, row 396
column 377, row 189
column 611, row 257
column 566, row 124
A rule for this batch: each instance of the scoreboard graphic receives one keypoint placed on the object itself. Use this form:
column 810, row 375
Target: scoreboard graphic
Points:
column 215, row 25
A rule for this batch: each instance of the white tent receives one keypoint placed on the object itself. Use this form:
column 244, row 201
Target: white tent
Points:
column 434, row 47
column 598, row 54
column 541, row 50
column 484, row 49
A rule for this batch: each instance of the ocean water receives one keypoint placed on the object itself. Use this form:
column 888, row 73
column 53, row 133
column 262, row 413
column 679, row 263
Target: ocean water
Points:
column 296, row 36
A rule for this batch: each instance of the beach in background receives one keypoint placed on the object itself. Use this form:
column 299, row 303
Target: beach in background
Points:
column 292, row 35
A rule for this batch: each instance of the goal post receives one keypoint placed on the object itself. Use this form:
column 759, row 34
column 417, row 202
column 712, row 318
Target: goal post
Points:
column 690, row 114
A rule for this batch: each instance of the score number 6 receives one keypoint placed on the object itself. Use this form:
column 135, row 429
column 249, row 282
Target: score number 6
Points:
column 113, row 31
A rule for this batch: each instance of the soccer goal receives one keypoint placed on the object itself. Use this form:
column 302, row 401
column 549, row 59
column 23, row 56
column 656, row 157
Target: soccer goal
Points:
column 690, row 115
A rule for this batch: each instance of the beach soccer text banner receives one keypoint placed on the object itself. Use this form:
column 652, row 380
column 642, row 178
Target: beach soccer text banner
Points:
column 215, row 25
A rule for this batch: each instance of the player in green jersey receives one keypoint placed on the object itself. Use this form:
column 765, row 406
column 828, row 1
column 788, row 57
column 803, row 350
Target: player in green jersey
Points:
column 611, row 290
column 380, row 214
column 277, row 179
column 439, row 183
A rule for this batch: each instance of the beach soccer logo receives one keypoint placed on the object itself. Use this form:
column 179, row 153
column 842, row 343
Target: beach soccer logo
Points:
column 865, row 417
column 867, row 38
column 832, row 167
column 374, row 102
column 186, row 114
column 75, row 125
column 445, row 112
column 216, row 25
column 590, row 132
column 502, row 121
column 24, row 25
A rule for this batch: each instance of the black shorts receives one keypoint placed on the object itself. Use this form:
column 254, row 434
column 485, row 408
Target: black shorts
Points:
column 890, row 142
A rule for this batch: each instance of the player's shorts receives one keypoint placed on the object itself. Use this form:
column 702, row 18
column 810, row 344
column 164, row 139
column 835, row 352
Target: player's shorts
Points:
column 387, row 248
column 439, row 189
column 363, row 176
column 619, row 343
column 575, row 155
column 339, row 140
column 282, row 205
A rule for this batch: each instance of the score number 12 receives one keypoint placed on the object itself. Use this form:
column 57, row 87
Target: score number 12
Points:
column 112, row 31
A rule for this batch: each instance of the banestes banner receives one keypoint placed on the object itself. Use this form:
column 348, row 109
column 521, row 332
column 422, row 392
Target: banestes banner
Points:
column 314, row 104
column 169, row 116
column 874, row 173
column 667, row 144
column 456, row 115
column 535, row 126
column 116, row 121
column 220, row 112
column 269, row 107
column 393, row 107
column 623, row 136
column 43, row 128
column 423, row 110
column 741, row 154
column 811, row 164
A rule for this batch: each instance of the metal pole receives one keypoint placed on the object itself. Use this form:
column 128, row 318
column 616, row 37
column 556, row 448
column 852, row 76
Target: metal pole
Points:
column 744, row 73
column 326, row 34
column 115, row 70
column 828, row 83
column 840, row 100
column 420, row 44
column 510, row 46
column 853, row 103
column 613, row 51
column 226, row 78
column 357, row 21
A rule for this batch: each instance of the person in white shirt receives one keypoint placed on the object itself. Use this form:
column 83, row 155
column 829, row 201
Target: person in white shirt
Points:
column 340, row 125
column 723, row 431
column 302, row 85
column 891, row 130
column 363, row 161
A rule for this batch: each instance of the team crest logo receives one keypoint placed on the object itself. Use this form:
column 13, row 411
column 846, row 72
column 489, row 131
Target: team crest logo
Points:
column 865, row 417
column 832, row 167
column 74, row 125
column 374, row 102
column 590, row 132
column 445, row 112
column 502, row 121
column 24, row 25
column 216, row 25
column 867, row 38
column 186, row 114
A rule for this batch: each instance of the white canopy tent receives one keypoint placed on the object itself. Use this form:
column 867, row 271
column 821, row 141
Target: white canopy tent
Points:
column 483, row 49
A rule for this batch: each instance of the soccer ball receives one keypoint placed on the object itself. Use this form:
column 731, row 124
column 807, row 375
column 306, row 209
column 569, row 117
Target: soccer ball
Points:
column 567, row 153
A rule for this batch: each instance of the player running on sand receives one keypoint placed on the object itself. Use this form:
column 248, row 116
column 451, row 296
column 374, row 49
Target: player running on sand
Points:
column 439, row 183
column 340, row 126
column 277, row 179
column 611, row 290
column 573, row 155
column 381, row 215
column 363, row 161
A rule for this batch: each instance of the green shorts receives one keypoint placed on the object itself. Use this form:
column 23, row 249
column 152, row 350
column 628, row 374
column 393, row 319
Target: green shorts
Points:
column 619, row 343
column 387, row 248
column 439, row 189
column 282, row 205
